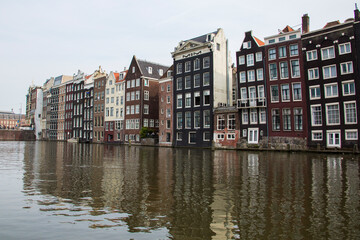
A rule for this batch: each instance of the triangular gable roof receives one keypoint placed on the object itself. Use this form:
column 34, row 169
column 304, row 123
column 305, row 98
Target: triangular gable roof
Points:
column 287, row 29
column 331, row 24
column 258, row 41
column 145, row 65
column 116, row 75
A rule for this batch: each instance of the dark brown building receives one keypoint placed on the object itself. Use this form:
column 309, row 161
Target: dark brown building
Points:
column 141, row 98
column 332, row 77
column 99, row 105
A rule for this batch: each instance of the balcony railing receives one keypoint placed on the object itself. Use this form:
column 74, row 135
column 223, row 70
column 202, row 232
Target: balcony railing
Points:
column 251, row 102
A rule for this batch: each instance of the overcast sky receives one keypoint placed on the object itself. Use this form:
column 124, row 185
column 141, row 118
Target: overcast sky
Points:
column 40, row 39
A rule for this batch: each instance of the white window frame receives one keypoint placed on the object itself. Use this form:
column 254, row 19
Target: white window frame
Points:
column 344, row 45
column 312, row 72
column 347, row 70
column 328, row 51
column 314, row 97
column 327, row 138
column 313, row 134
column 262, row 112
column 260, row 70
column 292, row 70
column 293, row 94
column 242, row 77
column 258, row 56
column 311, row 55
column 332, row 85
column 251, row 75
column 230, row 136
column 351, row 131
column 282, row 95
column 297, row 47
column 312, row 114
column 330, row 72
column 271, row 95
column 327, row 116
column 253, row 131
column 348, row 83
column 250, row 61
column 245, row 120
column 345, row 118
column 242, row 60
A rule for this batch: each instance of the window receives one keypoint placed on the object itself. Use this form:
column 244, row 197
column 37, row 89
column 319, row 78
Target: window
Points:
column 187, row 66
column 146, row 122
column 220, row 122
column 286, row 119
column 350, row 112
column 295, row 68
column 137, row 84
column 179, row 120
column 161, row 72
column 260, row 74
column 285, row 93
column 244, row 132
column 261, row 93
column 344, row 48
column 168, row 99
column 253, row 116
column 179, row 68
column 284, row 71
column 206, row 62
column 348, row 88
column 298, row 119
column 197, row 121
column 311, row 55
column 187, row 119
column 207, row 97
column 137, row 95
column 313, row 73
column 133, row 69
column 251, row 75
column 146, row 95
column 315, row 92
column 272, row 54
column 241, row 60
column 146, row 82
column 329, row 71
column 275, row 119
column 220, row 136
column 331, row 90
column 179, row 101
column 230, row 136
column 351, row 134
column 273, row 71
column 188, row 82
column 247, row 45
column 242, row 77
column 132, row 96
column 192, row 137
column 197, row 64
column 296, row 91
column 206, row 116
column 197, row 80
column 274, row 93
column 317, row 135
column 196, row 99
column 282, row 52
column 262, row 115
column 206, row 79
column 316, row 116
column 258, row 56
column 187, row 100
column 137, row 109
column 346, row 68
column 332, row 114
column 253, row 135
column 179, row 136
column 294, row 50
column 245, row 116
column 327, row 53
column 168, row 124
column 243, row 94
column 179, row 83
column 250, row 60
column 231, row 122
column 333, row 138
column 281, row 39
column 133, row 83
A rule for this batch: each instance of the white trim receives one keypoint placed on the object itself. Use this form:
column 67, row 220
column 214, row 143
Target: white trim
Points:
column 327, row 49
column 311, row 114
column 327, row 138
column 255, row 140
column 317, row 131
column 331, row 85
column 349, row 102
column 343, row 89
column 349, row 131
column 347, row 68
column 344, row 44
column 313, row 87
column 313, row 70
column 293, row 95
column 326, row 113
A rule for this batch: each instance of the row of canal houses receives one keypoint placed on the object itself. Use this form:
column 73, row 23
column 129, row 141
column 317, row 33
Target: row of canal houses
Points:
column 297, row 89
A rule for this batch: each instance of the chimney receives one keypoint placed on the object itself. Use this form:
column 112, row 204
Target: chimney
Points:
column 305, row 23
column 356, row 13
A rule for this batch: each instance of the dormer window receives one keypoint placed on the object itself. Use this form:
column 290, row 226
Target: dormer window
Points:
column 121, row 76
column 247, row 45
column 161, row 72
column 150, row 70
column 169, row 73
column 209, row 37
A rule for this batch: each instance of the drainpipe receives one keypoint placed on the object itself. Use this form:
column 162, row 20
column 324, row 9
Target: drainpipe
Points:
column 227, row 75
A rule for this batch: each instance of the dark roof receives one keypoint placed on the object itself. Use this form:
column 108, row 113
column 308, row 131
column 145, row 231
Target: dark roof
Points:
column 202, row 38
column 145, row 65
column 331, row 24
column 165, row 72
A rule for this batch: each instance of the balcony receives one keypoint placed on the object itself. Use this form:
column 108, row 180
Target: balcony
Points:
column 251, row 103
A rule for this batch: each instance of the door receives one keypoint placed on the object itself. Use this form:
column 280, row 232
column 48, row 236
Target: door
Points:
column 253, row 135
column 252, row 96
column 333, row 139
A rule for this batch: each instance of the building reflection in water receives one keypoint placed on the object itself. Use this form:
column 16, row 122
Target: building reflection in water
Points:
column 197, row 194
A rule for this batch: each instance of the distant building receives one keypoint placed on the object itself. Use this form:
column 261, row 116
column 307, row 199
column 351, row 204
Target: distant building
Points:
column 69, row 107
column 201, row 82
column 11, row 120
column 141, row 98
column 99, row 106
column 88, row 107
column 166, row 108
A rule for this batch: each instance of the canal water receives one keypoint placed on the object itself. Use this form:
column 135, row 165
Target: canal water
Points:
column 56, row 190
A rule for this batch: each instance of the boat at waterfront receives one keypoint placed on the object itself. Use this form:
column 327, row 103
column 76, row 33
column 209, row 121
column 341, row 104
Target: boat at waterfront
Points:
column 73, row 140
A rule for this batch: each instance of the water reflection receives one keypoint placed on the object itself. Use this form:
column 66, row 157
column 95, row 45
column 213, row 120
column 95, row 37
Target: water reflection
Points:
column 196, row 194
